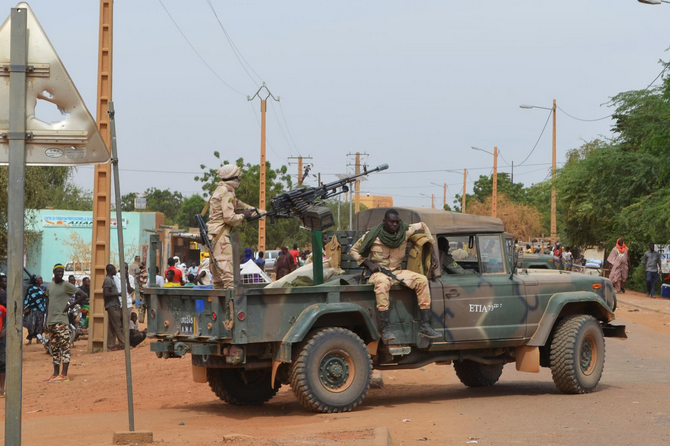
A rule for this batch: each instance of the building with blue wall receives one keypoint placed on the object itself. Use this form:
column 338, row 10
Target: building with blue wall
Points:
column 59, row 236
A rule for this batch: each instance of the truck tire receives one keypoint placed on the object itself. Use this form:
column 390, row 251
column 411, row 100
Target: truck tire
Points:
column 473, row 374
column 332, row 371
column 242, row 387
column 577, row 354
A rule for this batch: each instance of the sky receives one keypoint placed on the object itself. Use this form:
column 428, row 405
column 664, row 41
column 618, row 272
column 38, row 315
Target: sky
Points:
column 409, row 83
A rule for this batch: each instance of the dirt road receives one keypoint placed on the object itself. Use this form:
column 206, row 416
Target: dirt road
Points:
column 630, row 406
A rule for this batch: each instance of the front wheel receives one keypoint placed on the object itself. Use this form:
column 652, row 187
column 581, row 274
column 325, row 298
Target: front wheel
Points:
column 332, row 371
column 577, row 354
column 242, row 387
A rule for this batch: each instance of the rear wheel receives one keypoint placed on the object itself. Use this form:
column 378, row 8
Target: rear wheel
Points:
column 473, row 374
column 332, row 371
column 242, row 387
column 577, row 354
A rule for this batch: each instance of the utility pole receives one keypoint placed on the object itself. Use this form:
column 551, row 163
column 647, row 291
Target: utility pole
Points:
column 463, row 202
column 494, row 194
column 263, row 95
column 100, row 240
column 356, row 188
column 444, row 195
column 300, row 169
column 432, row 201
column 553, row 200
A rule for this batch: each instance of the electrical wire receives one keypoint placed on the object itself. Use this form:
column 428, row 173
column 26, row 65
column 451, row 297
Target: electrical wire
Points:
column 197, row 52
column 584, row 120
column 281, row 127
column 537, row 141
column 236, row 51
column 504, row 160
column 288, row 128
column 658, row 76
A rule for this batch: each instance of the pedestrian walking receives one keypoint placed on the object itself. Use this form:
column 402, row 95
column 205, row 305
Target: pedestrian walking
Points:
column 620, row 260
column 284, row 263
column 652, row 265
column 34, row 310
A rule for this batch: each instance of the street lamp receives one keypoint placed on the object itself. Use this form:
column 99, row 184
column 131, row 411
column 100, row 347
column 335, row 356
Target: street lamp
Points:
column 553, row 198
column 444, row 193
column 432, row 197
column 494, row 180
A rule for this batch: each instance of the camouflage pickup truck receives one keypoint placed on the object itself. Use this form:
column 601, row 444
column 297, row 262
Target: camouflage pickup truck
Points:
column 324, row 342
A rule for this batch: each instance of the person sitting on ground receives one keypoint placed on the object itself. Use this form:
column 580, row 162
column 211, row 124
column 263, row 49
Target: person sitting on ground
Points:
column 170, row 279
column 383, row 247
column 135, row 335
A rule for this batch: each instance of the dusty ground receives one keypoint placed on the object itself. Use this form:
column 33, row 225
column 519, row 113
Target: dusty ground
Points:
column 424, row 406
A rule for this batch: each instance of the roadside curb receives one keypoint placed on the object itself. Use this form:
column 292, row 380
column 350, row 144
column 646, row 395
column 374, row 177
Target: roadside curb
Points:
column 643, row 307
column 382, row 437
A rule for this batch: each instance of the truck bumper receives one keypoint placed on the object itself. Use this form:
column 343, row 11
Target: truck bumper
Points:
column 170, row 349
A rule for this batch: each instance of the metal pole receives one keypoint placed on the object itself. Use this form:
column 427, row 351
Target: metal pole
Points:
column 350, row 209
column 357, row 199
column 122, row 272
column 494, row 194
column 339, row 211
column 553, row 198
column 16, row 208
column 463, row 202
column 512, row 172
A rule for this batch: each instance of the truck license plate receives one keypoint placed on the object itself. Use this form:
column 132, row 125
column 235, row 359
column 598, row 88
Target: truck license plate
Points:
column 187, row 325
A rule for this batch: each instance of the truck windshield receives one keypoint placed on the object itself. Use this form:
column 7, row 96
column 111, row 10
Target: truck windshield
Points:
column 491, row 254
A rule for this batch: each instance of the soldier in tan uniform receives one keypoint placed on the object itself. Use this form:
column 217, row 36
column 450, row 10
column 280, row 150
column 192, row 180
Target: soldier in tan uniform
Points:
column 384, row 247
column 223, row 219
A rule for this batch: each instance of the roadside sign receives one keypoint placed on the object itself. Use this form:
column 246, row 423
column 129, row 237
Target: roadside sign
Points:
column 664, row 257
column 73, row 140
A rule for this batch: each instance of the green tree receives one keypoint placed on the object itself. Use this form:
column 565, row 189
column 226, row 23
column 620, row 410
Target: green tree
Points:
column 164, row 201
column 45, row 187
column 129, row 202
column 188, row 209
column 620, row 187
column 482, row 190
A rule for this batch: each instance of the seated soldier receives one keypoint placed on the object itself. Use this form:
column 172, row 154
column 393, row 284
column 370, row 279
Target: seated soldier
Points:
column 447, row 262
column 383, row 247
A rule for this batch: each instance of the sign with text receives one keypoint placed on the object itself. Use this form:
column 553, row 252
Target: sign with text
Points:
column 76, row 222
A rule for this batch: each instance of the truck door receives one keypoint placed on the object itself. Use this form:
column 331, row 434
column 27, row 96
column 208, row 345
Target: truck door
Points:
column 483, row 302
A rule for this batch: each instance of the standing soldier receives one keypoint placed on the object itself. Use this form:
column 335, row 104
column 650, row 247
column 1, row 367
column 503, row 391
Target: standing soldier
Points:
column 383, row 248
column 223, row 219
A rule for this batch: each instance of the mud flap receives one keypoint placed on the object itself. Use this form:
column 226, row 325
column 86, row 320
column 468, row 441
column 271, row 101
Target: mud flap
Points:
column 528, row 359
column 199, row 374
column 614, row 331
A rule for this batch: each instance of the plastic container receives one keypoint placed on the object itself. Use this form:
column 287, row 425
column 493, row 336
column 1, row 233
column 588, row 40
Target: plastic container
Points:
column 664, row 291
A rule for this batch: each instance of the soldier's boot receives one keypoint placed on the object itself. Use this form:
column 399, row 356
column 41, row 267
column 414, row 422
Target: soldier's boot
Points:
column 426, row 329
column 385, row 323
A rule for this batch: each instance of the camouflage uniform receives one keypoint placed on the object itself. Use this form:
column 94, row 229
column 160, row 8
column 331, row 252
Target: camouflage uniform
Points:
column 59, row 341
column 391, row 259
column 222, row 220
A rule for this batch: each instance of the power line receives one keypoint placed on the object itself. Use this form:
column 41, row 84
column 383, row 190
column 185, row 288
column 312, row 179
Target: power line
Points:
column 584, row 120
column 537, row 141
column 288, row 128
column 658, row 76
column 197, row 52
column 236, row 51
column 281, row 127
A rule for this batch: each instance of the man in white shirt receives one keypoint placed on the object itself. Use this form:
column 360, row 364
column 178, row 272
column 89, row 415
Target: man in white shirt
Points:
column 130, row 286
